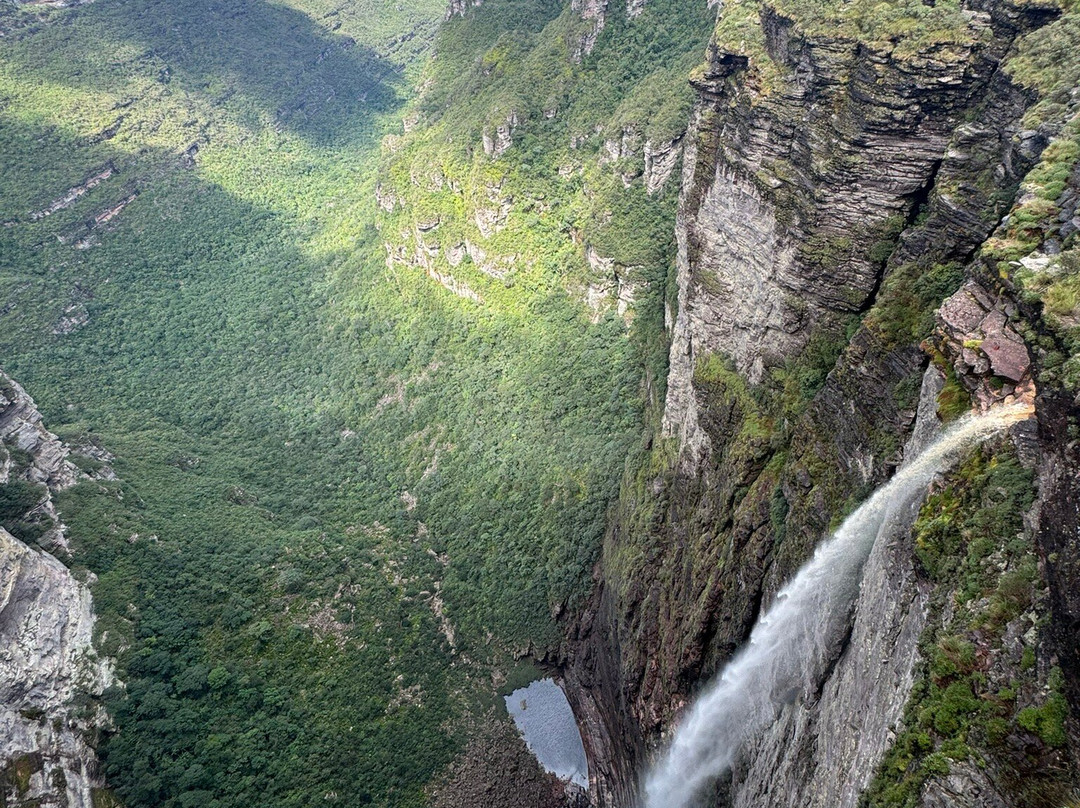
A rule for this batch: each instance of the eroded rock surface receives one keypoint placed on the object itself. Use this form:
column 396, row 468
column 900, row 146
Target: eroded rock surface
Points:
column 459, row 7
column 594, row 16
column 987, row 353
column 801, row 193
column 790, row 194
column 49, row 671
column 47, row 665
column 33, row 454
column 822, row 754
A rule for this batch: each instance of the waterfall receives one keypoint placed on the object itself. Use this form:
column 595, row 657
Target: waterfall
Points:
column 794, row 643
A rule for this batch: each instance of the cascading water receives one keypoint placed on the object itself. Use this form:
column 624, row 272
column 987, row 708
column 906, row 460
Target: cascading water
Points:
column 792, row 646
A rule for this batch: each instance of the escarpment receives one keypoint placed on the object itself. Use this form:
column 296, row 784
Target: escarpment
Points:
column 836, row 189
column 807, row 161
column 49, row 670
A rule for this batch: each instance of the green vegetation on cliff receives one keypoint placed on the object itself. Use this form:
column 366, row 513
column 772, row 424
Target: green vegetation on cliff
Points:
column 978, row 696
column 903, row 30
column 372, row 362
column 700, row 541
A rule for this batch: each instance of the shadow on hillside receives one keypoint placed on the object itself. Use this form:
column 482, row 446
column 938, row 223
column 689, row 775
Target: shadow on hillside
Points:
column 245, row 55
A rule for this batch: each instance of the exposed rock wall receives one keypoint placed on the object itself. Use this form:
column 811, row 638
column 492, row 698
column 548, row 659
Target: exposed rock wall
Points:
column 801, row 193
column 594, row 16
column 459, row 7
column 660, row 162
column 49, row 671
column 1057, row 529
column 46, row 665
column 22, row 431
column 594, row 687
column 823, row 753
column 788, row 193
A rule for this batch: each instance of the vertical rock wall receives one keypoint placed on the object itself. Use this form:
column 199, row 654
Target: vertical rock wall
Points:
column 792, row 195
column 823, row 754
column 47, row 665
column 805, row 186
column 49, row 671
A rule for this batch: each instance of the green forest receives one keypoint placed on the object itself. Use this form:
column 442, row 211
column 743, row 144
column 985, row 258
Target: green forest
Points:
column 347, row 498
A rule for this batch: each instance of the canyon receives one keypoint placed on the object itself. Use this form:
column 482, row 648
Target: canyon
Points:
column 817, row 171
column 513, row 339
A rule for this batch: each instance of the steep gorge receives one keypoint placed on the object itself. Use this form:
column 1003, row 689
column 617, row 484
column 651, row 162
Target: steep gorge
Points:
column 369, row 491
column 843, row 174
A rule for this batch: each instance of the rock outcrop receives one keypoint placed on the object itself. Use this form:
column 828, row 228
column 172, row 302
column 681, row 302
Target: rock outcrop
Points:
column 33, row 454
column 661, row 159
column 48, row 668
column 459, row 7
column 496, row 143
column 50, row 674
column 794, row 191
column 987, row 354
column 593, row 14
column 21, row 428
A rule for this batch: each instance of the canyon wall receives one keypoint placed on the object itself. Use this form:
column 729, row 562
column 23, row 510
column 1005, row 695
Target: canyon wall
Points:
column 50, row 674
column 837, row 187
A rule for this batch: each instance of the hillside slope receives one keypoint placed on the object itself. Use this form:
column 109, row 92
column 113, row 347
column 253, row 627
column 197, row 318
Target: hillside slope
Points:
column 345, row 499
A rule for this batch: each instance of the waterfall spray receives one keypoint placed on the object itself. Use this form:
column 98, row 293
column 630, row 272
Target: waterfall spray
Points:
column 793, row 644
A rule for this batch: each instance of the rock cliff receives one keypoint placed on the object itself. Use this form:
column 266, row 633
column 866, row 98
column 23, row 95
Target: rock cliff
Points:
column 875, row 233
column 837, row 187
column 795, row 192
column 49, row 670
column 824, row 753
column 33, row 456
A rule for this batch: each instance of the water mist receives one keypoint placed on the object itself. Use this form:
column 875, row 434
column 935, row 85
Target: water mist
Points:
column 794, row 643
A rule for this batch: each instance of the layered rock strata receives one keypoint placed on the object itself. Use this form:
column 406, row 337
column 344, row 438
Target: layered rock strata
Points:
column 44, row 459
column 793, row 193
column 804, row 187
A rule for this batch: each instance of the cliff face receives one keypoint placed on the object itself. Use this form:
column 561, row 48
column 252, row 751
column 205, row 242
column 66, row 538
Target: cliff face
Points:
column 797, row 185
column 835, row 190
column 46, row 627
column 36, row 457
column 824, row 753
column 841, row 167
column 48, row 667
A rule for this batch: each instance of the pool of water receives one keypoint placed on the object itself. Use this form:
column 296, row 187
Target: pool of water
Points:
column 545, row 720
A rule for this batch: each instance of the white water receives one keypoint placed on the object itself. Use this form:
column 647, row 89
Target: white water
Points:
column 792, row 646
